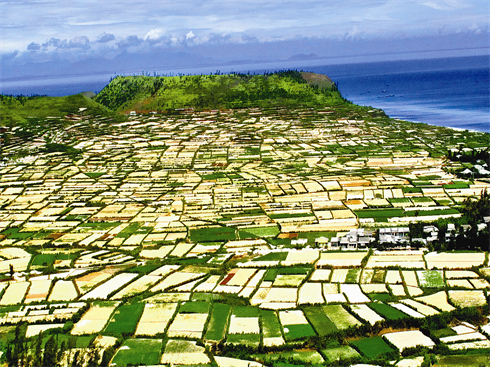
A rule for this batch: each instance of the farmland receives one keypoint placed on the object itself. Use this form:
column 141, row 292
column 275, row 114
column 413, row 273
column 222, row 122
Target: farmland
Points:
column 270, row 234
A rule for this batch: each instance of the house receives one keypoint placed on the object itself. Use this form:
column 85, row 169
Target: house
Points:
column 394, row 235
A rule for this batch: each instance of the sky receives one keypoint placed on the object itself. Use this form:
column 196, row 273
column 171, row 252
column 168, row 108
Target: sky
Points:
column 68, row 36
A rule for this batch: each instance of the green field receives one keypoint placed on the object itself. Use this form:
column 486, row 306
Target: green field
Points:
column 271, row 327
column 273, row 256
column 340, row 317
column 194, row 307
column 379, row 213
column 343, row 353
column 372, row 347
column 212, row 234
column 245, row 339
column 271, row 274
column 308, row 357
column 431, row 278
column 270, row 231
column 387, row 311
column 299, row 331
column 246, row 311
column 468, row 360
column 125, row 319
column 321, row 323
column 217, row 324
column 138, row 351
column 352, row 276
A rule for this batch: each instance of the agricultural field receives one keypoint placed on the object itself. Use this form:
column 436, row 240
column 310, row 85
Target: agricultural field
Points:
column 194, row 236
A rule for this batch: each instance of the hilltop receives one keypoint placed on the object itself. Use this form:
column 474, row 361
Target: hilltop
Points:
column 284, row 88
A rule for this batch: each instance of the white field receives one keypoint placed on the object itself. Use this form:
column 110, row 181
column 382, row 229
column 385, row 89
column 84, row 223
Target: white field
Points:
column 255, row 280
column 231, row 289
column 113, row 284
column 403, row 258
column 405, row 309
column 241, row 277
column 420, row 307
column 181, row 249
column 397, row 290
column 38, row 291
column 353, row 293
column 480, row 283
column 187, row 287
column 437, row 300
column 244, row 325
column 461, row 283
column 160, row 253
column 209, row 284
column 94, row 320
column 410, row 278
column 454, row 260
column 454, row 274
column 155, row 318
column 335, row 298
column 282, row 295
column 175, row 279
column 409, row 339
column 138, row 286
column 365, row 313
column 330, row 288
column 164, row 270
column 188, row 325
column 271, row 342
column 63, row 290
column 14, row 294
column 339, row 275
column 87, row 282
column 301, row 257
column 374, row 288
column 414, row 291
column 260, row 296
column 393, row 277
column 341, row 259
column 193, row 354
column 481, row 344
column 310, row 293
column 467, row 298
column 463, row 337
column 33, row 330
column 320, row 275
column 292, row 317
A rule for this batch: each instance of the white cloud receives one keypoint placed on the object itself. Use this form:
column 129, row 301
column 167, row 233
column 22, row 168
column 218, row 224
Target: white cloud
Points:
column 190, row 35
column 155, row 34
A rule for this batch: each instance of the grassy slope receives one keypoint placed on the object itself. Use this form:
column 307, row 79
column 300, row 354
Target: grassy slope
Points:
column 20, row 110
column 290, row 88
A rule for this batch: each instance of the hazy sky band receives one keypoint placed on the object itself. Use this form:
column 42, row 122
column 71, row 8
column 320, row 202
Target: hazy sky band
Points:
column 122, row 23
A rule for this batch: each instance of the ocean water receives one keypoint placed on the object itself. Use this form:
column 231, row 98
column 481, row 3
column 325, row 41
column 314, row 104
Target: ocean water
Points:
column 446, row 92
column 451, row 92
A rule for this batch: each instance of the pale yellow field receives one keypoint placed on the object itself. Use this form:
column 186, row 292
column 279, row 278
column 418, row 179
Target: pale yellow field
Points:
column 310, row 293
column 138, row 286
column 409, row 339
column 467, row 298
column 420, row 307
column 454, row 260
column 282, row 295
column 175, row 279
column 14, row 294
column 94, row 320
column 155, row 318
column 437, row 300
column 322, row 275
column 341, row 259
column 188, row 325
column 292, row 317
column 33, row 330
column 63, row 290
column 244, row 325
column 38, row 291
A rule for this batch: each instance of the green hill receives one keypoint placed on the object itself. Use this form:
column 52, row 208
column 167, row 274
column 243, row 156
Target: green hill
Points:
column 20, row 110
column 285, row 88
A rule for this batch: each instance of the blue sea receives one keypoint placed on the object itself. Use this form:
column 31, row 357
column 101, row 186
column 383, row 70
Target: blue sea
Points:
column 452, row 92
